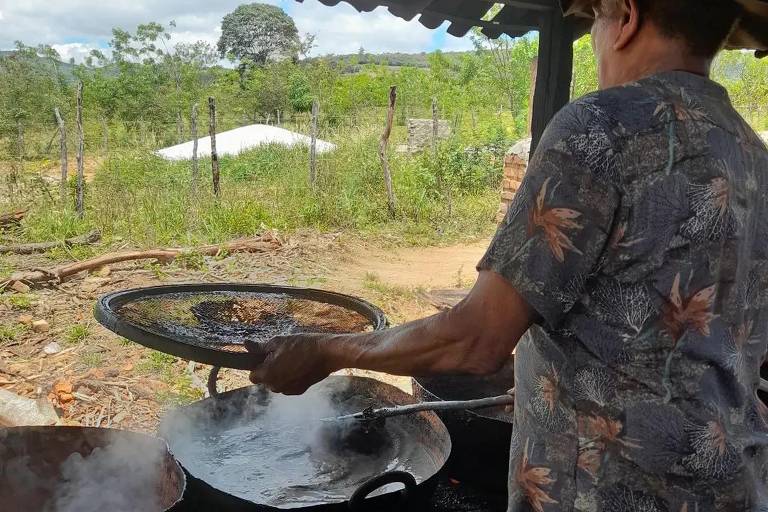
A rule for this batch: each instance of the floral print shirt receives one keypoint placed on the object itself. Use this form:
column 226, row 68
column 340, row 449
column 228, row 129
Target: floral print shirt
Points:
column 640, row 236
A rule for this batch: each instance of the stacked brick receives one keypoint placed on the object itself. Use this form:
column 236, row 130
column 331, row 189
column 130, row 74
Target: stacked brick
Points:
column 515, row 165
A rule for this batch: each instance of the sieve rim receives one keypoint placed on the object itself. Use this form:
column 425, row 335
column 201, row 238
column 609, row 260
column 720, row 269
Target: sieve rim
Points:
column 105, row 312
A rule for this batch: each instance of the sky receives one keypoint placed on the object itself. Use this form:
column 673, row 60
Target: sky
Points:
column 74, row 27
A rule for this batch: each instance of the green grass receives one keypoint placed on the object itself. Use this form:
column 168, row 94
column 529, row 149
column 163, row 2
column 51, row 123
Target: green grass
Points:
column 22, row 301
column 146, row 201
column 157, row 363
column 77, row 333
column 92, row 359
column 10, row 333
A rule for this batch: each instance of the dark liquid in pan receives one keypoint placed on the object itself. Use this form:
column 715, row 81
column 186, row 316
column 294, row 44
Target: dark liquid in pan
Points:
column 281, row 454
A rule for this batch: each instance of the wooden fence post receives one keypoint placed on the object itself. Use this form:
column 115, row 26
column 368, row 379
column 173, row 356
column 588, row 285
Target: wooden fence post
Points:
column 64, row 160
column 195, row 162
column 80, row 205
column 214, row 154
column 313, row 145
column 435, row 125
column 383, row 145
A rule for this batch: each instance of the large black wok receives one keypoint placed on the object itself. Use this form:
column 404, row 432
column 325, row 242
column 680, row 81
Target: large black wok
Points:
column 252, row 450
column 480, row 438
column 74, row 469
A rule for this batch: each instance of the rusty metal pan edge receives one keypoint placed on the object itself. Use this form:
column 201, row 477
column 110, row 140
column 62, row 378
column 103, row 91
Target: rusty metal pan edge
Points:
column 105, row 314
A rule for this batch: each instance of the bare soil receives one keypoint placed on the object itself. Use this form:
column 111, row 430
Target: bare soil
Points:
column 100, row 379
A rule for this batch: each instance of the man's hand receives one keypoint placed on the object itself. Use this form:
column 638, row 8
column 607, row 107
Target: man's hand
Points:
column 292, row 364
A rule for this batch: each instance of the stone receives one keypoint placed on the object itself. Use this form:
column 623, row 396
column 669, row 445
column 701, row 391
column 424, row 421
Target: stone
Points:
column 18, row 411
column 104, row 271
column 420, row 133
column 25, row 319
column 20, row 287
column 41, row 326
column 52, row 348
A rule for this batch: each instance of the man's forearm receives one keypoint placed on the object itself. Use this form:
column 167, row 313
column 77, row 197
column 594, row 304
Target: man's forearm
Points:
column 475, row 337
column 423, row 347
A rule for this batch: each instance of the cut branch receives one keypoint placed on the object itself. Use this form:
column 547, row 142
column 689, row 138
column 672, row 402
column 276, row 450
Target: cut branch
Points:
column 56, row 275
column 90, row 238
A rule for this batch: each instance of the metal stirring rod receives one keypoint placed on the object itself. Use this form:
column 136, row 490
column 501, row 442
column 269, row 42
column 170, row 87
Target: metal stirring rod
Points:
column 371, row 414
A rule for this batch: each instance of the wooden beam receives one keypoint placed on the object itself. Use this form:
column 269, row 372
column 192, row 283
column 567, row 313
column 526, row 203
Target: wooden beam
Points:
column 555, row 71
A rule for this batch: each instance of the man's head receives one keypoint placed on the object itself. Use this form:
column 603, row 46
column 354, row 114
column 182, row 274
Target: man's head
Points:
column 635, row 38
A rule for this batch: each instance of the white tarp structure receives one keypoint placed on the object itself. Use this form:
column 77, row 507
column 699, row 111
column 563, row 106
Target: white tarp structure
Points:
column 238, row 140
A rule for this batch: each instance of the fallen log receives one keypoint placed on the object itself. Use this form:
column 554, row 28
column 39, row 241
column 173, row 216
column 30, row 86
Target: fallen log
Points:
column 39, row 277
column 13, row 218
column 90, row 238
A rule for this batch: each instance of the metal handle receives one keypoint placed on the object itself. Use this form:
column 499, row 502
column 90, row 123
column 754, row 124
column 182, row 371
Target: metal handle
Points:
column 356, row 502
column 213, row 377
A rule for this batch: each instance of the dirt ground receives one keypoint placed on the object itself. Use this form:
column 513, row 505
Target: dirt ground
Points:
column 99, row 379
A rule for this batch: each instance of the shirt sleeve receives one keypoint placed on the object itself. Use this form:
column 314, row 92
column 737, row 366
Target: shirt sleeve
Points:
column 558, row 224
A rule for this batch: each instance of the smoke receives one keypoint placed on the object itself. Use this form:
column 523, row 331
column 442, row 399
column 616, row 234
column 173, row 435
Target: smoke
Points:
column 117, row 478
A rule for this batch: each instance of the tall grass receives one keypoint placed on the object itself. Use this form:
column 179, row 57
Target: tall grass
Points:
column 147, row 201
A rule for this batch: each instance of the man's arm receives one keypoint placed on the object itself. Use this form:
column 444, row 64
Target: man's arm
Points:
column 475, row 337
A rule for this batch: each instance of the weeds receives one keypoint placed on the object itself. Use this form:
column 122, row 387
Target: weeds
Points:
column 92, row 359
column 21, row 301
column 9, row 333
column 77, row 333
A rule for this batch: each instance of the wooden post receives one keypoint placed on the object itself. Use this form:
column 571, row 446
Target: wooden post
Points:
column 63, row 157
column 278, row 117
column 214, row 154
column 179, row 128
column 19, row 168
column 435, row 125
column 554, row 73
column 534, row 75
column 80, row 205
column 195, row 162
column 383, row 145
column 313, row 145
column 104, row 135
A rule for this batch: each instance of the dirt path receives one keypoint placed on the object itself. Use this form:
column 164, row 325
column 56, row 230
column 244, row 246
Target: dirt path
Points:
column 108, row 381
column 420, row 267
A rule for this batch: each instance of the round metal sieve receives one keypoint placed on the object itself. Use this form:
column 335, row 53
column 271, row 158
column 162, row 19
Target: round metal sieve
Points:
column 209, row 323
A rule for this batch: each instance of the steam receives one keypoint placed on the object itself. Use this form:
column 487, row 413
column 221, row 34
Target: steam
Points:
column 118, row 478
column 274, row 449
column 38, row 473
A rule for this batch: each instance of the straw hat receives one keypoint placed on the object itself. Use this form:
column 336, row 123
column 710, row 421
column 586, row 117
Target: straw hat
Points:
column 750, row 33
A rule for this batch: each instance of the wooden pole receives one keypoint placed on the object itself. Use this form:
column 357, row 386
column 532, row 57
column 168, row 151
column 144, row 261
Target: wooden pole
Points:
column 313, row 145
column 195, row 162
column 63, row 157
column 534, row 76
column 80, row 205
column 214, row 154
column 19, row 171
column 435, row 125
column 383, row 145
column 104, row 135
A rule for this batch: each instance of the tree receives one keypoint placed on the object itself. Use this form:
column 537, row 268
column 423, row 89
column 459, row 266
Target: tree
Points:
column 257, row 33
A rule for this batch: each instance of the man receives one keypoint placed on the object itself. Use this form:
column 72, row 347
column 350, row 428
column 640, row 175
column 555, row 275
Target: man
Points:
column 635, row 257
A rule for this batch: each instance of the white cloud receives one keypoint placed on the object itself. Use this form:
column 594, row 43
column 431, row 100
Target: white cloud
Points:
column 76, row 26
column 77, row 51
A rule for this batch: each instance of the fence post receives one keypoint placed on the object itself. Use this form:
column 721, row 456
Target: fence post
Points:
column 383, row 145
column 80, row 205
column 214, row 154
column 435, row 125
column 195, row 162
column 64, row 161
column 313, row 145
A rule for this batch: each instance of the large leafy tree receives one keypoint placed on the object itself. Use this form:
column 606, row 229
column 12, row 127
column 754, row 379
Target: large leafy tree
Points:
column 257, row 33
